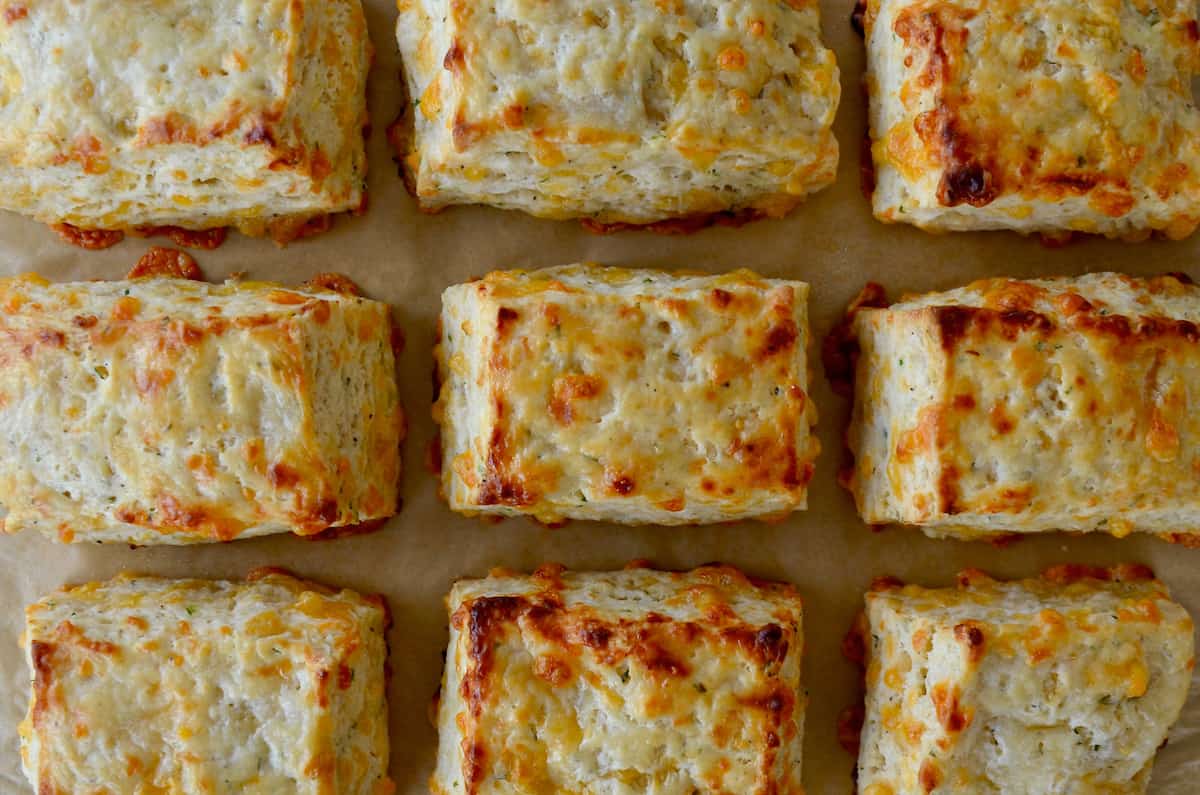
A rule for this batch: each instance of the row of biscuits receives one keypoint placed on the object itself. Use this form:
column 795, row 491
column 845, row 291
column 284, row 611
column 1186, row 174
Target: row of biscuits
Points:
column 165, row 410
column 984, row 114
column 634, row 681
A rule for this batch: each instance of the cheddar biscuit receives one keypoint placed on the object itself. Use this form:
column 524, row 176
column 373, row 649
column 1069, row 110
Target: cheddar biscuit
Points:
column 1068, row 683
column 623, row 395
column 122, row 116
column 1050, row 117
column 1025, row 406
column 632, row 681
column 171, row 411
column 142, row 684
column 628, row 112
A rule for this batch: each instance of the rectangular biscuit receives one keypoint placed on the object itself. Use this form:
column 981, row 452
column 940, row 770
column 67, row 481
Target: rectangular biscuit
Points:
column 630, row 396
column 620, row 682
column 1051, row 117
column 171, row 411
column 625, row 112
column 1025, row 406
column 1064, row 684
column 143, row 684
column 244, row 113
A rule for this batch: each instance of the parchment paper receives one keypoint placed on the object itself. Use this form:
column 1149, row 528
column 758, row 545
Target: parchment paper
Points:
column 401, row 256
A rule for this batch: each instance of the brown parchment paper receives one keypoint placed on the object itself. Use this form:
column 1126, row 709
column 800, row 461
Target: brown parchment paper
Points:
column 401, row 256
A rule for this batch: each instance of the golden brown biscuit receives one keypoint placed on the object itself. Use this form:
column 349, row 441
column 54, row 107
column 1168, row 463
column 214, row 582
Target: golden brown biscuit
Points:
column 1025, row 406
column 142, row 684
column 1051, row 117
column 170, row 411
column 628, row 112
column 1067, row 683
column 619, row 682
column 630, row 396
column 192, row 116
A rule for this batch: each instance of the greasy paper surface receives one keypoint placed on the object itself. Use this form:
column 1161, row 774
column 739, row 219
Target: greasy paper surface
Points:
column 398, row 255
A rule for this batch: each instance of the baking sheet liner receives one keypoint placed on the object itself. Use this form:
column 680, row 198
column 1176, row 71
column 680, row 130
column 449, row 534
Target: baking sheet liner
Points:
column 399, row 255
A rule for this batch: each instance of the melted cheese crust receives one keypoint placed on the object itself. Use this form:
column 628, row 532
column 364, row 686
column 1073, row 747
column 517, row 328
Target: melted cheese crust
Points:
column 1067, row 684
column 147, row 685
column 1048, row 117
column 172, row 411
column 620, row 683
column 621, row 112
column 629, row 396
column 245, row 113
column 1010, row 406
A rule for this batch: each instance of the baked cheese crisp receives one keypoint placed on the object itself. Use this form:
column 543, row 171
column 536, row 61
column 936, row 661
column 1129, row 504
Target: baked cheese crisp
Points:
column 1024, row 406
column 1065, row 684
column 585, row 392
column 122, row 116
column 625, row 112
column 172, row 411
column 1052, row 117
column 273, row 686
column 622, row 682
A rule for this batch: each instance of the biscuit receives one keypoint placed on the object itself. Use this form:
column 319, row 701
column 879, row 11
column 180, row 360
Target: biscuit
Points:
column 628, row 112
column 143, row 684
column 243, row 113
column 630, row 396
column 630, row 681
column 171, row 411
column 1024, row 406
column 1053, row 117
column 1068, row 683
